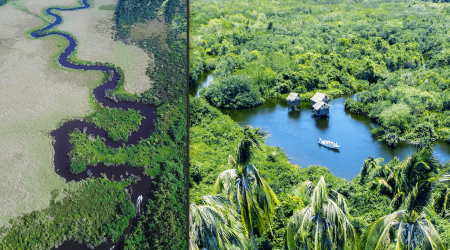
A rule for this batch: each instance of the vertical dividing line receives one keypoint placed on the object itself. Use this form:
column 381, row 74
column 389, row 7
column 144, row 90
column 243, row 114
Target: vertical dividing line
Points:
column 187, row 124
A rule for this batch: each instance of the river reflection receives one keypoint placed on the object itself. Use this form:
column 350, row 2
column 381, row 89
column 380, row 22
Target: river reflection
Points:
column 203, row 81
column 297, row 132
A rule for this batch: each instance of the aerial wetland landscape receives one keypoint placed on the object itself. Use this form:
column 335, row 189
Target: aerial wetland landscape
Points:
column 272, row 82
column 93, row 124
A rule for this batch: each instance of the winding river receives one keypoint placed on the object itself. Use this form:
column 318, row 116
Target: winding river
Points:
column 296, row 132
column 62, row 146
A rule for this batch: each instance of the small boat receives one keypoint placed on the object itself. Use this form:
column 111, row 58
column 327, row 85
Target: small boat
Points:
column 328, row 144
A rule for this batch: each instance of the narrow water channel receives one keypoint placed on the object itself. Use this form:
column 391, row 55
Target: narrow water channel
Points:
column 297, row 132
column 62, row 146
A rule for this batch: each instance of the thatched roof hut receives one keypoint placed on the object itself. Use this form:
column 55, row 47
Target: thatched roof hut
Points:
column 321, row 108
column 294, row 99
column 320, row 97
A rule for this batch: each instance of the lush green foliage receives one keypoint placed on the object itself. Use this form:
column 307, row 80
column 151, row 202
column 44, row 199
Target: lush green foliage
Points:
column 90, row 214
column 215, row 225
column 302, row 46
column 164, row 224
column 375, row 193
column 101, row 211
column 129, row 12
column 324, row 221
column 232, row 92
column 118, row 123
column 343, row 47
column 411, row 105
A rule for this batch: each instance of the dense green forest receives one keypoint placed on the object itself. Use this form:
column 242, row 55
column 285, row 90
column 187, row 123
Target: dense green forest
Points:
column 247, row 195
column 395, row 53
column 100, row 209
column 381, row 196
column 164, row 224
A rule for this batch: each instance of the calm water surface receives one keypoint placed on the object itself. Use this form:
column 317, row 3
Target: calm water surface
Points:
column 203, row 81
column 297, row 132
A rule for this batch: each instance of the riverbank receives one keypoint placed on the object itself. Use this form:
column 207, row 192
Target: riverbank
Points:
column 214, row 136
column 296, row 132
column 141, row 183
column 36, row 95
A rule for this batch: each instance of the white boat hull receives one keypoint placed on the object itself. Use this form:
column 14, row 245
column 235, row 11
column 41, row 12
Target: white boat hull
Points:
column 332, row 146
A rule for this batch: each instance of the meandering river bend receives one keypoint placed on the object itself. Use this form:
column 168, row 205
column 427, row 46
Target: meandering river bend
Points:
column 296, row 132
column 62, row 146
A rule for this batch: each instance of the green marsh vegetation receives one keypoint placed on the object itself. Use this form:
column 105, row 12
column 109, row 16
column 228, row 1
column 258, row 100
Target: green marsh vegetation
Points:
column 118, row 123
column 99, row 209
column 163, row 155
column 381, row 206
column 96, row 211
column 164, row 223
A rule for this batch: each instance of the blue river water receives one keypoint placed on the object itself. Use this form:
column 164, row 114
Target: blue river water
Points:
column 297, row 132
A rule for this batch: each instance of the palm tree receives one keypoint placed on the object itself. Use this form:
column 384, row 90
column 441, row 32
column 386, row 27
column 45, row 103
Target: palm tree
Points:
column 414, row 230
column 418, row 176
column 255, row 200
column 369, row 164
column 385, row 175
column 215, row 225
column 252, row 140
column 421, row 167
column 326, row 216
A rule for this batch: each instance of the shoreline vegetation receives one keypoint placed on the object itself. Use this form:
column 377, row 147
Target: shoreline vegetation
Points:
column 388, row 52
column 163, row 155
column 394, row 54
column 377, row 192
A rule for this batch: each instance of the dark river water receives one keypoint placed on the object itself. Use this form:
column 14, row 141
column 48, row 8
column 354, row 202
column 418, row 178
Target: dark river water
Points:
column 61, row 135
column 297, row 132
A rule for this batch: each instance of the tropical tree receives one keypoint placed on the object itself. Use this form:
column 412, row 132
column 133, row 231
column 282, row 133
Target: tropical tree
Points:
column 384, row 175
column 255, row 200
column 369, row 164
column 215, row 225
column 421, row 167
column 252, row 140
column 324, row 220
column 418, row 177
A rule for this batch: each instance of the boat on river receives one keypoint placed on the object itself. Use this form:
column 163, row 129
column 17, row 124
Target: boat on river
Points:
column 328, row 144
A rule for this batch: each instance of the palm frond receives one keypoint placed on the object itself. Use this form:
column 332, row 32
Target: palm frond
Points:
column 216, row 225
column 264, row 195
column 251, row 214
column 253, row 139
column 231, row 161
column 319, row 195
column 304, row 191
column 432, row 235
column 297, row 226
column 420, row 197
column 384, row 239
column 382, row 182
column 369, row 164
column 340, row 201
column 372, row 236
column 342, row 226
column 225, row 182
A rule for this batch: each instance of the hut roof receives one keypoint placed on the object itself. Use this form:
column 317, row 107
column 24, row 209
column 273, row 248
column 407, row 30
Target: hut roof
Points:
column 319, row 97
column 292, row 97
column 319, row 104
